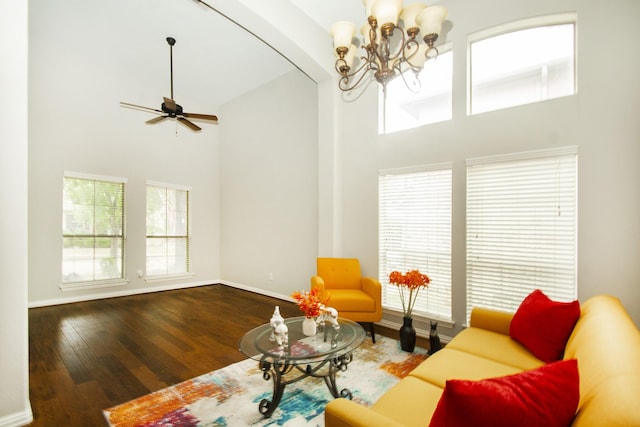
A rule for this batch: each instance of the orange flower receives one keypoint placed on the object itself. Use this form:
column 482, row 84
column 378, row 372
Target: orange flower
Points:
column 412, row 280
column 310, row 302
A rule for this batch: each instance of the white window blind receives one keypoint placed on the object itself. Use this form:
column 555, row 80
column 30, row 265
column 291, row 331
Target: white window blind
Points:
column 415, row 233
column 521, row 228
column 168, row 229
column 93, row 231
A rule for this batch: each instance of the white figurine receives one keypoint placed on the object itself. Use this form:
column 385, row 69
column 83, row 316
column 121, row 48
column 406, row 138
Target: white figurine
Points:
column 282, row 334
column 276, row 319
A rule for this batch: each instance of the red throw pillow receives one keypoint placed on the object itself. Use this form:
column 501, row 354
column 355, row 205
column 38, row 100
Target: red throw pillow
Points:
column 547, row 396
column 543, row 326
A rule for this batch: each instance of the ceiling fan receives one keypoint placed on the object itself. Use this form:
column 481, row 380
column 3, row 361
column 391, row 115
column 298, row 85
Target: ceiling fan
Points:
column 169, row 108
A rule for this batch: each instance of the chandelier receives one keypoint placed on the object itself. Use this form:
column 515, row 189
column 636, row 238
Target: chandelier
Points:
column 389, row 49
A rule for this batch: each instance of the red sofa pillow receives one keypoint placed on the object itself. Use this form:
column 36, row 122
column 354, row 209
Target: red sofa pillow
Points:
column 543, row 326
column 547, row 396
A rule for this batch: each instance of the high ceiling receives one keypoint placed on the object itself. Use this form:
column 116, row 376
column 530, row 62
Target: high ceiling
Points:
column 122, row 43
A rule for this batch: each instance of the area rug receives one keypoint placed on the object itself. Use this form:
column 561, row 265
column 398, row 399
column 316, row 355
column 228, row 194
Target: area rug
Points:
column 230, row 396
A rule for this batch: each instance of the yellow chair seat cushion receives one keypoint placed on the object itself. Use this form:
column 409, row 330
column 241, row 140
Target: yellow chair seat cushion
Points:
column 350, row 300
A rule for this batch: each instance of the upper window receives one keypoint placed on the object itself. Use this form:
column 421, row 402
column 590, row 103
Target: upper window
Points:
column 406, row 109
column 168, row 229
column 93, row 231
column 521, row 228
column 522, row 62
column 415, row 233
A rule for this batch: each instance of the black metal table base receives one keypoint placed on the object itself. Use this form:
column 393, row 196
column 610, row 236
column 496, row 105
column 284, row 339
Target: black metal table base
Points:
column 276, row 370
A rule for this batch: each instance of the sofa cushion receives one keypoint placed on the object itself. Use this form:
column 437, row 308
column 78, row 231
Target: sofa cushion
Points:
column 450, row 363
column 410, row 402
column 494, row 346
column 545, row 396
column 543, row 325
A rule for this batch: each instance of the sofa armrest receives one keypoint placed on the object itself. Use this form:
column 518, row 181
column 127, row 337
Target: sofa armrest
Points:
column 491, row 320
column 346, row 413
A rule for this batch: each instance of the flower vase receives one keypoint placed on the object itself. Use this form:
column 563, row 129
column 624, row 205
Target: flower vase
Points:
column 407, row 335
column 309, row 326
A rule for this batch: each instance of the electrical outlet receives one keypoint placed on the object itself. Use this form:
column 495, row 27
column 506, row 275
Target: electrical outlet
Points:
column 270, row 275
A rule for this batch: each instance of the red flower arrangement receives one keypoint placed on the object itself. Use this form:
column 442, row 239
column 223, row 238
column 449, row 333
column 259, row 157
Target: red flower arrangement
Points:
column 412, row 281
column 310, row 302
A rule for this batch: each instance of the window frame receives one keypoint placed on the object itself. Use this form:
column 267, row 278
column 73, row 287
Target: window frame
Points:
column 446, row 48
column 515, row 26
column 438, row 267
column 96, row 283
column 168, row 275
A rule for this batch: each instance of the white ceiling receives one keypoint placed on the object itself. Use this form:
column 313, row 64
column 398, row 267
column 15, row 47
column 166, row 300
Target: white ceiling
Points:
column 123, row 43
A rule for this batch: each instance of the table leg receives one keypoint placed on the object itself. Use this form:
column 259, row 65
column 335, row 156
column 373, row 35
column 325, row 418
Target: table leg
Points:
column 338, row 364
column 273, row 371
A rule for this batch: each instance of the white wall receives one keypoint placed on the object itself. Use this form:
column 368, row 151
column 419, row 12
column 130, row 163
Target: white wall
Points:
column 14, row 356
column 76, row 124
column 601, row 120
column 269, row 186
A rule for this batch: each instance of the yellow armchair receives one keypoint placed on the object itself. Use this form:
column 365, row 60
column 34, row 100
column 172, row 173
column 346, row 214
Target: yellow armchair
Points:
column 355, row 297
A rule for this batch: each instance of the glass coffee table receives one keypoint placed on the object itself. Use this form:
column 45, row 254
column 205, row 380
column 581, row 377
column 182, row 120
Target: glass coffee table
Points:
column 320, row 356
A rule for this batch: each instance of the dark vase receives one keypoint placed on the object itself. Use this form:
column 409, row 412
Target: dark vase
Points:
column 407, row 335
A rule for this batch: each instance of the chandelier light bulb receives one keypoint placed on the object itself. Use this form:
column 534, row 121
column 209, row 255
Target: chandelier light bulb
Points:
column 387, row 11
column 409, row 13
column 342, row 33
column 430, row 20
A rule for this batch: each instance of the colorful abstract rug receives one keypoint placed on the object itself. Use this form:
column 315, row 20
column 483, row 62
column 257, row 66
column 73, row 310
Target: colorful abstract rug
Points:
column 230, row 396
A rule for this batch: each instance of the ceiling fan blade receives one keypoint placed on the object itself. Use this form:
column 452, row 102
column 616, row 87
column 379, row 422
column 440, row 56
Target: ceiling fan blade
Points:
column 140, row 107
column 189, row 124
column 156, row 120
column 169, row 103
column 201, row 116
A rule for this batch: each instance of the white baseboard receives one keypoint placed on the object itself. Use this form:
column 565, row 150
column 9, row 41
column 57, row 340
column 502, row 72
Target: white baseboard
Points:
column 256, row 290
column 119, row 293
column 17, row 419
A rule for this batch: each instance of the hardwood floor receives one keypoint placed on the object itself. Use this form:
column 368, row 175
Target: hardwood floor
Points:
column 89, row 356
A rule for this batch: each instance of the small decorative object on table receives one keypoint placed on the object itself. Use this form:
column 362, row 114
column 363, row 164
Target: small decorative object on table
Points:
column 311, row 303
column 276, row 319
column 412, row 281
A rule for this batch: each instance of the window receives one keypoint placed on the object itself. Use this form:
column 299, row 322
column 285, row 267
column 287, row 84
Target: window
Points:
column 93, row 231
column 168, row 230
column 405, row 109
column 521, row 63
column 415, row 232
column 521, row 228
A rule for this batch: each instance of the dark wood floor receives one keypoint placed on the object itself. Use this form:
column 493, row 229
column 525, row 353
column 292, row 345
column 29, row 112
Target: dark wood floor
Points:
column 88, row 356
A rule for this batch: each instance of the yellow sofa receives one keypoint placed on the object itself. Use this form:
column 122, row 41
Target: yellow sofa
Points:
column 605, row 341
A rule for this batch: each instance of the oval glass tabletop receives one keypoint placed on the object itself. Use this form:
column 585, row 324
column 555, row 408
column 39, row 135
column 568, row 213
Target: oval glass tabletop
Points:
column 328, row 341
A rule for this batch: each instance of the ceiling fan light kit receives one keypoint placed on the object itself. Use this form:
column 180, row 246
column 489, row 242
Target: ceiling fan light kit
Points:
column 169, row 109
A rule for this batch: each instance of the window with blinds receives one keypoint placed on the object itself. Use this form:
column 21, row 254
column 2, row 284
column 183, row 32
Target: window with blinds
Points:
column 168, row 229
column 93, row 232
column 415, row 233
column 521, row 228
